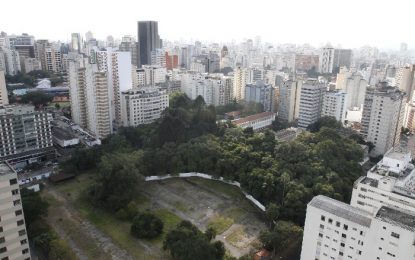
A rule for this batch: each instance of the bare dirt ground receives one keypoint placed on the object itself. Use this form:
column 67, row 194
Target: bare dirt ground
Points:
column 208, row 203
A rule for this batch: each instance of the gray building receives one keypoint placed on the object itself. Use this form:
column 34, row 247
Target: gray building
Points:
column 311, row 102
column 261, row 93
column 148, row 40
column 25, row 135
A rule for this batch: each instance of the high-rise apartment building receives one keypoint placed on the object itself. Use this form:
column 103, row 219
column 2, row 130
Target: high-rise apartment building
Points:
column 289, row 100
column 326, row 60
column 13, row 234
column 172, row 61
column 311, row 102
column 148, row 40
column 49, row 55
column 129, row 44
column 26, row 133
column 143, row 106
column 153, row 75
column 239, row 82
column 355, row 88
column 11, row 61
column 4, row 99
column 405, row 81
column 261, row 93
column 118, row 68
column 334, row 105
column 382, row 117
column 90, row 98
column 331, row 59
column 336, row 230
column 76, row 42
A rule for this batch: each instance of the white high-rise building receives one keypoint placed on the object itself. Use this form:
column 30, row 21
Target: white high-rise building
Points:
column 334, row 105
column 326, row 60
column 143, row 106
column 311, row 102
column 390, row 182
column 158, row 58
column 336, row 230
column 154, row 75
column 289, row 100
column 240, row 77
column 11, row 61
column 355, row 88
column 382, row 117
column 4, row 99
column 118, row 68
column 31, row 64
column 90, row 98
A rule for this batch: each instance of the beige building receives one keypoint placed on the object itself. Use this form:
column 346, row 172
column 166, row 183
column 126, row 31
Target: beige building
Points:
column 90, row 98
column 14, row 243
column 289, row 100
column 240, row 76
column 4, row 100
column 382, row 118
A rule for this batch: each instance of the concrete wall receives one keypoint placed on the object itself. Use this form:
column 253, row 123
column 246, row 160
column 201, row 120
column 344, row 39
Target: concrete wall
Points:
column 209, row 177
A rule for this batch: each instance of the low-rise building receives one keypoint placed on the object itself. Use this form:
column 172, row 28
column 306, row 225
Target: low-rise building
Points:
column 257, row 121
column 142, row 106
column 26, row 134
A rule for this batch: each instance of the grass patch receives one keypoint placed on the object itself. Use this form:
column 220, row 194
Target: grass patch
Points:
column 236, row 237
column 237, row 214
column 118, row 230
column 220, row 224
column 83, row 242
column 170, row 221
column 179, row 206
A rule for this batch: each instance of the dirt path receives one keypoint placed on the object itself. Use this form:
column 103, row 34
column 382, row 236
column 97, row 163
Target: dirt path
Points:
column 109, row 250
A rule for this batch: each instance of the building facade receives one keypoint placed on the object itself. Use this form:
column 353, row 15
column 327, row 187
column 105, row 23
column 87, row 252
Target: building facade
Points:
column 289, row 100
column 143, row 106
column 148, row 40
column 334, row 105
column 90, row 98
column 13, row 234
column 261, row 93
column 311, row 102
column 23, row 131
column 382, row 117
column 4, row 99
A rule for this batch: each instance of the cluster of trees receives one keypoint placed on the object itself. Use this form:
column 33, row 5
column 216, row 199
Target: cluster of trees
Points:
column 187, row 242
column 246, row 108
column 146, row 225
column 37, row 98
column 30, row 79
column 45, row 241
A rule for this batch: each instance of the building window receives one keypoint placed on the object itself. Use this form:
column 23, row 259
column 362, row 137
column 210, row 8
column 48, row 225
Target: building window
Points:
column 395, row 235
column 20, row 222
column 18, row 212
column 22, row 232
column 3, row 249
column 23, row 242
column 25, row 251
column 15, row 192
column 13, row 181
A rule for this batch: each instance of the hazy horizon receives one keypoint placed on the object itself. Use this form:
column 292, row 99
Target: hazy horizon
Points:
column 351, row 24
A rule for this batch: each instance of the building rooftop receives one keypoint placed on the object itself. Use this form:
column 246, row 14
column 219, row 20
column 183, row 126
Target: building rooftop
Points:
column 402, row 218
column 252, row 118
column 342, row 210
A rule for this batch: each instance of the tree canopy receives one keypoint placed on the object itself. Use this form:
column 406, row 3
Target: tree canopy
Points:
column 187, row 242
column 146, row 225
column 37, row 98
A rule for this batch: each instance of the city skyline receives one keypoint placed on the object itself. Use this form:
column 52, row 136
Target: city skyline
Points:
column 184, row 20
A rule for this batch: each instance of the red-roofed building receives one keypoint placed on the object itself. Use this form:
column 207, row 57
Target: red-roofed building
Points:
column 257, row 121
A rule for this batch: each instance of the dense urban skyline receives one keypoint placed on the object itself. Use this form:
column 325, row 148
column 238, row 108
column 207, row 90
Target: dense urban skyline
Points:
column 351, row 24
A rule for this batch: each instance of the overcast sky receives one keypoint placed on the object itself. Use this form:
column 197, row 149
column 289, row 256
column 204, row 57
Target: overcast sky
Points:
column 351, row 23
